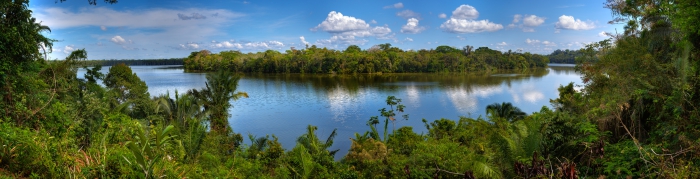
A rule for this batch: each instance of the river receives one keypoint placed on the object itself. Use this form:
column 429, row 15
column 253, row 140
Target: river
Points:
column 284, row 104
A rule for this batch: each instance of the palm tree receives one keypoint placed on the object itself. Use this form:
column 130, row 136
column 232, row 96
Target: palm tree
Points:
column 221, row 88
column 311, row 142
column 506, row 111
column 43, row 41
column 467, row 50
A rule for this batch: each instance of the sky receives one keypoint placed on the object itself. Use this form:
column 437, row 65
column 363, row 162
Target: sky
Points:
column 136, row 29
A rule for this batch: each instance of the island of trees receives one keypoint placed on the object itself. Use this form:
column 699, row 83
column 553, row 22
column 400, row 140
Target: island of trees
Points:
column 636, row 115
column 382, row 58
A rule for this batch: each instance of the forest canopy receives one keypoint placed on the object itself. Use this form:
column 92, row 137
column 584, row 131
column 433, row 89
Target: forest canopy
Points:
column 382, row 58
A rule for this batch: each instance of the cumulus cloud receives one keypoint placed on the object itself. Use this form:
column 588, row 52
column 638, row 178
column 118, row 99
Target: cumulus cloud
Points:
column 502, row 44
column 442, row 15
column 118, row 40
column 537, row 42
column 548, row 43
column 336, row 22
column 303, row 40
column 188, row 46
column 408, row 39
column 345, row 29
column 570, row 23
column 534, row 41
column 469, row 26
column 533, row 21
column 397, row 6
column 373, row 21
column 68, row 49
column 463, row 21
column 516, row 18
column 529, row 22
column 412, row 27
column 407, row 14
column 465, row 12
column 245, row 46
column 103, row 28
column 602, row 34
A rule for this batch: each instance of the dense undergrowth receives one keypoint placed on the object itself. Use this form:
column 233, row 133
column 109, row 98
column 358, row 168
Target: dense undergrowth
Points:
column 635, row 117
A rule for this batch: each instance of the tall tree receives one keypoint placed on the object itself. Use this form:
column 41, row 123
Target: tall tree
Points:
column 221, row 88
column 505, row 110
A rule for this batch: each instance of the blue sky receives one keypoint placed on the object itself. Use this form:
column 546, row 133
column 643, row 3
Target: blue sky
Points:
column 150, row 29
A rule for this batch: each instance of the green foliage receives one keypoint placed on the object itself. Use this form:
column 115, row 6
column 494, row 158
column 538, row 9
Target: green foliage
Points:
column 504, row 110
column 382, row 58
column 220, row 89
column 148, row 151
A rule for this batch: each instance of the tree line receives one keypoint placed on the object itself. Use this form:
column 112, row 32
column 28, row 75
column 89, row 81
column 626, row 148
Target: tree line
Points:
column 382, row 58
column 564, row 56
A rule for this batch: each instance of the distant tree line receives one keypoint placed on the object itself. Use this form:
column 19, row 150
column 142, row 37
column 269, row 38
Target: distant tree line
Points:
column 382, row 58
column 564, row 56
column 134, row 62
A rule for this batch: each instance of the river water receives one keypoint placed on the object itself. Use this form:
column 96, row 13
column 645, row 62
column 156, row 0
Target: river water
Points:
column 284, row 104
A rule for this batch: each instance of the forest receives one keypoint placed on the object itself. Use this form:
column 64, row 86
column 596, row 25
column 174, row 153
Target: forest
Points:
column 382, row 58
column 636, row 115
column 564, row 56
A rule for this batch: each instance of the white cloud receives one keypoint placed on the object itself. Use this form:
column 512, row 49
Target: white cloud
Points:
column 397, row 6
column 103, row 28
column 373, row 22
column 465, row 12
column 345, row 28
column 569, row 23
column 241, row 46
column 118, row 40
column 408, row 39
column 187, row 46
column 227, row 44
column 412, row 27
column 534, row 41
column 502, row 44
column 407, row 14
column 528, row 22
column 341, row 40
column 336, row 22
column 463, row 21
column 469, row 26
column 303, row 40
column 533, row 21
column 602, row 34
column 548, row 43
column 461, row 38
column 442, row 15
column 516, row 18
column 68, row 49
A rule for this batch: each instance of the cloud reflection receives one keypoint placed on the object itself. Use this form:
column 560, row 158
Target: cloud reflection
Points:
column 528, row 92
column 465, row 99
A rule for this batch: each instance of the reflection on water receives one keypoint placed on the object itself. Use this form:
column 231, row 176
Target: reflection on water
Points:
column 284, row 104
